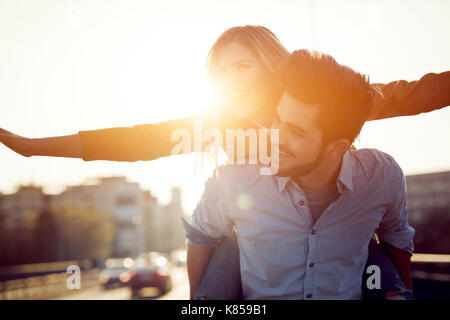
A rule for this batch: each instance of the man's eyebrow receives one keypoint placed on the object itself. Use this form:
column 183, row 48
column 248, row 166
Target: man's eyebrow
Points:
column 291, row 125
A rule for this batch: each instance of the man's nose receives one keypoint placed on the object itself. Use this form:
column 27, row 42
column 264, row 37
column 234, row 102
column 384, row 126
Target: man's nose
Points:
column 283, row 137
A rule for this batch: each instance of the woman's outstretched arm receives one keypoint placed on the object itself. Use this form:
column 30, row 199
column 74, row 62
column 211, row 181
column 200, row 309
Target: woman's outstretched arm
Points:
column 134, row 143
column 64, row 146
column 403, row 98
column 138, row 142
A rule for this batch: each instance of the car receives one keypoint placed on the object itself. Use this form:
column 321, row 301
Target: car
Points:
column 115, row 274
column 151, row 270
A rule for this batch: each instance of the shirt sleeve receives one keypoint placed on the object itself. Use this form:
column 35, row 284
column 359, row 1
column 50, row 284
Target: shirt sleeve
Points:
column 210, row 221
column 138, row 142
column 394, row 227
column 152, row 141
column 407, row 98
column 196, row 237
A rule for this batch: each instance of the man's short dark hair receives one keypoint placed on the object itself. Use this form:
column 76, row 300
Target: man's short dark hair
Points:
column 343, row 95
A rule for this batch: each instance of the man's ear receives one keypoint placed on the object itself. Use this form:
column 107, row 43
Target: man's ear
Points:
column 338, row 147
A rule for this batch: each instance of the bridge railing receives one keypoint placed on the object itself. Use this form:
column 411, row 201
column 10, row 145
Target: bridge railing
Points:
column 435, row 267
column 49, row 280
column 43, row 280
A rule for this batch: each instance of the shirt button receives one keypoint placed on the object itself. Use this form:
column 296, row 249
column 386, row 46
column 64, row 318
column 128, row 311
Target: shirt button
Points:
column 311, row 265
column 301, row 202
column 309, row 296
column 313, row 231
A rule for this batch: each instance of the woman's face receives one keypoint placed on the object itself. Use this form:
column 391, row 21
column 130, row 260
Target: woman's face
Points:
column 244, row 83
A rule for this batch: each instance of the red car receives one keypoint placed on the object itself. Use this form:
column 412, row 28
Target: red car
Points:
column 152, row 270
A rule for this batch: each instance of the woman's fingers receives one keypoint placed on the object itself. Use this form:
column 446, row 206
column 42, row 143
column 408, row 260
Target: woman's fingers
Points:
column 6, row 132
column 3, row 131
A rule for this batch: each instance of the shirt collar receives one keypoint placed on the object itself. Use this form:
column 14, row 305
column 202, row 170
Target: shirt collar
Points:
column 282, row 182
column 346, row 175
column 350, row 168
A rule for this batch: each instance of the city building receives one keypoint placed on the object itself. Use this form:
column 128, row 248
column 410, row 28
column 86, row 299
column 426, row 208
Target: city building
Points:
column 17, row 206
column 141, row 224
column 427, row 192
column 167, row 231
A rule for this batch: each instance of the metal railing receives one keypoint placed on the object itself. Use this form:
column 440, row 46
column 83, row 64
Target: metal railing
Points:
column 45, row 287
column 433, row 267
column 53, row 280
column 43, row 280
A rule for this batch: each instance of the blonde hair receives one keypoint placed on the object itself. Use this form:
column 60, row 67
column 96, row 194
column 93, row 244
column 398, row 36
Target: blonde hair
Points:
column 263, row 41
column 274, row 57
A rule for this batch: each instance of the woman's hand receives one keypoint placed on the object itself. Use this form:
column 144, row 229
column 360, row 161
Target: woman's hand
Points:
column 21, row 145
column 64, row 146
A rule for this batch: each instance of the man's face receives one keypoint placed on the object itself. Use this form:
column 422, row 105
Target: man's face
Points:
column 301, row 149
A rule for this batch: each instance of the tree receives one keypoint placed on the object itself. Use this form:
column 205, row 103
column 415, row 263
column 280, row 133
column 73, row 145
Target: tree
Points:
column 16, row 238
column 4, row 239
column 85, row 233
column 46, row 235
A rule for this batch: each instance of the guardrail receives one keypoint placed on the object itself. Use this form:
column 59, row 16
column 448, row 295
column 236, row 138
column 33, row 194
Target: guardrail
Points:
column 433, row 258
column 432, row 267
column 40, row 269
column 24, row 283
column 46, row 286
column 43, row 280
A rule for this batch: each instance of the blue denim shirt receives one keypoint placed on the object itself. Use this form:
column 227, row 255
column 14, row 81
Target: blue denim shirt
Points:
column 283, row 253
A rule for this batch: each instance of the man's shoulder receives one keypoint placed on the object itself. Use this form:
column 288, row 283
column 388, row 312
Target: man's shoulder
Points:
column 377, row 163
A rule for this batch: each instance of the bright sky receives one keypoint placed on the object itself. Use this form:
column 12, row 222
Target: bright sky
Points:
column 68, row 65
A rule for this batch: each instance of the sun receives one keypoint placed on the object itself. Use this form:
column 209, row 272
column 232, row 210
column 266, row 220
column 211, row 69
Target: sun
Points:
column 158, row 86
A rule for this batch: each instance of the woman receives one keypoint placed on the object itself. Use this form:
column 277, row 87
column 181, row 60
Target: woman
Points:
column 246, row 64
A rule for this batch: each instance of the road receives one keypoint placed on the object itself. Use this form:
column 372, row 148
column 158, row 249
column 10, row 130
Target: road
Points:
column 180, row 291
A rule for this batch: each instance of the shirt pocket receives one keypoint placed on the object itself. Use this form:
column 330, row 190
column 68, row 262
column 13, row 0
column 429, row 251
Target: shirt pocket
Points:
column 265, row 256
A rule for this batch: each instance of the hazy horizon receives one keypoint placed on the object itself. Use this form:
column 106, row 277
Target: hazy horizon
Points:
column 77, row 65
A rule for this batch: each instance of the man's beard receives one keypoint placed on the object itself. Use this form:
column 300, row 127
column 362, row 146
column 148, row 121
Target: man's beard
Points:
column 303, row 169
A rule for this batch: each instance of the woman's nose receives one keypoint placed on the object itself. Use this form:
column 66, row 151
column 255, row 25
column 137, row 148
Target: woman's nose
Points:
column 231, row 78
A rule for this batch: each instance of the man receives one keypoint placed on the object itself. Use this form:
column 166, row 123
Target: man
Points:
column 304, row 233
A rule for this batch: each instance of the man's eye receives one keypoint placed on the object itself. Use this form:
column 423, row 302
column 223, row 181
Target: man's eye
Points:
column 297, row 133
